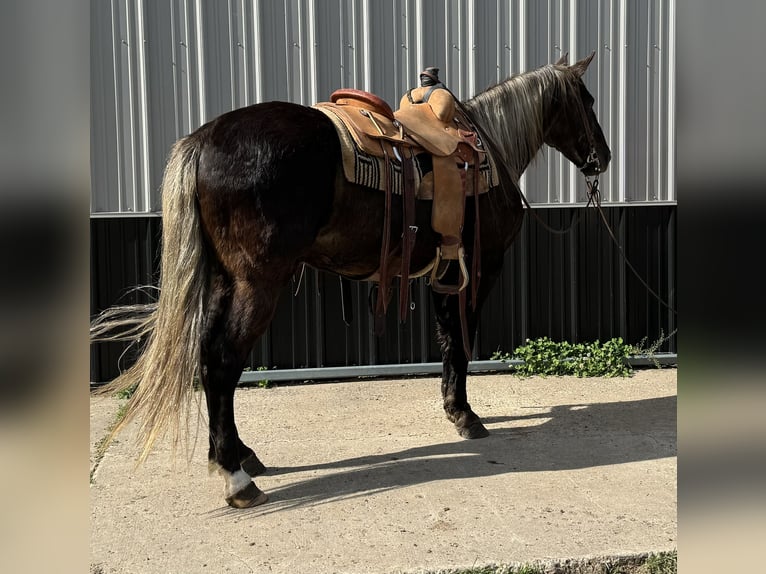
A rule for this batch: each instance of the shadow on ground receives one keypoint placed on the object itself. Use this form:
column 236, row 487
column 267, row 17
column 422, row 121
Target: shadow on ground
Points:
column 568, row 437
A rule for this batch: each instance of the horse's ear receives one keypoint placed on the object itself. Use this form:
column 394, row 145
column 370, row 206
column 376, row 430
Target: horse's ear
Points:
column 580, row 67
column 563, row 60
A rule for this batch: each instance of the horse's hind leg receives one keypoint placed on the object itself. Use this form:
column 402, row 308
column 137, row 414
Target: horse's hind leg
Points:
column 237, row 315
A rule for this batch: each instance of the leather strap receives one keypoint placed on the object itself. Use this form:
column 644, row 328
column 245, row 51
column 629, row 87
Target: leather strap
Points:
column 345, row 300
column 383, row 283
column 464, row 324
column 408, row 229
column 476, row 255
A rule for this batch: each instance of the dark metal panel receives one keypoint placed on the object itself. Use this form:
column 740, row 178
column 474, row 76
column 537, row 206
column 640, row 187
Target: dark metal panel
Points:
column 124, row 253
column 573, row 287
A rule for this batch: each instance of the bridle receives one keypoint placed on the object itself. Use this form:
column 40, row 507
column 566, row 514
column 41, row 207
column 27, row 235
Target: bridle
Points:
column 591, row 181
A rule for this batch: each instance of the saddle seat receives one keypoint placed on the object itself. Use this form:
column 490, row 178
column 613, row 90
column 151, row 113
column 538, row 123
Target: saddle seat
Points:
column 371, row 120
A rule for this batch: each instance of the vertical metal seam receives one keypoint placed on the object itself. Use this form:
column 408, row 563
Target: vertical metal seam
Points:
column 568, row 166
column 200, row 63
column 660, row 75
column 176, row 70
column 471, row 61
column 300, row 46
column 522, row 61
column 257, row 53
column 622, row 111
column 649, row 96
column 312, row 52
column 131, row 109
column 234, row 55
column 245, row 52
column 143, row 112
column 117, row 107
column 366, row 41
column 189, row 79
column 419, row 35
column 671, row 102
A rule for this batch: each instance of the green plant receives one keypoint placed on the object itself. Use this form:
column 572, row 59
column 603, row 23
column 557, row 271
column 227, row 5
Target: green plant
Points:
column 649, row 351
column 126, row 393
column 662, row 563
column 544, row 357
column 103, row 443
column 261, row 383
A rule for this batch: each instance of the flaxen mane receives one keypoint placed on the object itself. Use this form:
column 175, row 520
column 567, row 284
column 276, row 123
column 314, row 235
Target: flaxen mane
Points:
column 512, row 112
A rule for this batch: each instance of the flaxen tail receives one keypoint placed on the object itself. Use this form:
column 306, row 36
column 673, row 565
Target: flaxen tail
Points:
column 165, row 373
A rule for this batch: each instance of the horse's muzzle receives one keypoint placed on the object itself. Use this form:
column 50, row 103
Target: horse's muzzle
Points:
column 593, row 165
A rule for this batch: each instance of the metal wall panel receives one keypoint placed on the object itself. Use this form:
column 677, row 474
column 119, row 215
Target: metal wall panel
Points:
column 162, row 68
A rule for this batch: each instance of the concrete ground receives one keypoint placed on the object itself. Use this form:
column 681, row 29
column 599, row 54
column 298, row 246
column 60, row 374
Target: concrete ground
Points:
column 369, row 476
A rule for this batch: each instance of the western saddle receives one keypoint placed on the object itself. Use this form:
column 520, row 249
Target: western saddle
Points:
column 391, row 151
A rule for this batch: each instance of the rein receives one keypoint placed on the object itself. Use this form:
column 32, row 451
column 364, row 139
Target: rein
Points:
column 594, row 199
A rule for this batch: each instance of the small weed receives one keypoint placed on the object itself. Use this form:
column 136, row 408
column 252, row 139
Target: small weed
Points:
column 126, row 393
column 120, row 413
column 649, row 351
column 101, row 445
column 663, row 563
column 523, row 569
column 261, row 383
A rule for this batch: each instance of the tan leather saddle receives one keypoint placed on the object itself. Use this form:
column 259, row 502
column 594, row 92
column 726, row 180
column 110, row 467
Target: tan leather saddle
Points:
column 427, row 122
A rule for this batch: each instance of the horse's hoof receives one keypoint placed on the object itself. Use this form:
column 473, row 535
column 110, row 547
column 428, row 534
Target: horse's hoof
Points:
column 468, row 424
column 253, row 466
column 248, row 497
column 475, row 430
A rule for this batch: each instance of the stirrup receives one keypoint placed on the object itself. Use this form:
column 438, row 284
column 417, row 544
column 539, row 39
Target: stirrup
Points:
column 436, row 283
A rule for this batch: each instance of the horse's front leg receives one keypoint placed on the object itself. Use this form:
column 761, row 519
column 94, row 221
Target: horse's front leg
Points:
column 455, row 365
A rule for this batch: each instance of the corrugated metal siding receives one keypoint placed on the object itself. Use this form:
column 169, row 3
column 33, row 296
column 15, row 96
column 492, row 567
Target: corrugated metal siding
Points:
column 160, row 69
column 572, row 287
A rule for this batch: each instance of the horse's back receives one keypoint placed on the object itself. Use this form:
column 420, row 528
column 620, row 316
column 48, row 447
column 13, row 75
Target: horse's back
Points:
column 279, row 136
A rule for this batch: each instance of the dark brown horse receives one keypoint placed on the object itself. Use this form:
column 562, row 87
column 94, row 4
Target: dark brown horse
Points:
column 257, row 192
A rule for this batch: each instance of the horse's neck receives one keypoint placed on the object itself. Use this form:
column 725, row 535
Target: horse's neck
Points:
column 512, row 114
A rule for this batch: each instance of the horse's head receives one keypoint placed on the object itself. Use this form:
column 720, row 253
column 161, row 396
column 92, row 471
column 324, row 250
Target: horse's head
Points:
column 574, row 130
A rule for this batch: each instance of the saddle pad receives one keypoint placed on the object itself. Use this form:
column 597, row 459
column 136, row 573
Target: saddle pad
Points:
column 368, row 170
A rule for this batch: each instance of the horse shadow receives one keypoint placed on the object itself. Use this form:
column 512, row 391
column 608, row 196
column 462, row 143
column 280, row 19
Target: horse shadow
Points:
column 568, row 437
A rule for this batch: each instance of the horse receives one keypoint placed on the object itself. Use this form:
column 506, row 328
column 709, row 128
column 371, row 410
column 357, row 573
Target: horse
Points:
column 257, row 192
